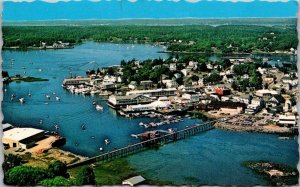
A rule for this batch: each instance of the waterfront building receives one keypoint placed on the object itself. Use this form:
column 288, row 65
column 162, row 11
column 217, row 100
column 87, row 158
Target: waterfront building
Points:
column 22, row 137
column 154, row 93
column 156, row 105
column 76, row 81
column 108, row 86
column 6, row 127
column 287, row 120
column 192, row 97
column 122, row 101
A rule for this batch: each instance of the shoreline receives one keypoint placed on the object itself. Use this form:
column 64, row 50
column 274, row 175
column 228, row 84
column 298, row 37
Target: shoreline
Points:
column 267, row 129
column 18, row 48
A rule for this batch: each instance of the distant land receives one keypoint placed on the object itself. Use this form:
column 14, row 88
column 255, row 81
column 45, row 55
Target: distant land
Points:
column 159, row 22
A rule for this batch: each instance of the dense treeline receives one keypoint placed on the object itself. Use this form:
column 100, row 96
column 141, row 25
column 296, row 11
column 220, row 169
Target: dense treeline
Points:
column 55, row 175
column 191, row 38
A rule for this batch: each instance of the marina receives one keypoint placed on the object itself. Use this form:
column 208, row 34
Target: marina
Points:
column 72, row 111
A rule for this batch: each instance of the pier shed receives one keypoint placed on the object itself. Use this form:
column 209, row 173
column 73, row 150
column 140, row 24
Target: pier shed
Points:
column 133, row 181
column 22, row 137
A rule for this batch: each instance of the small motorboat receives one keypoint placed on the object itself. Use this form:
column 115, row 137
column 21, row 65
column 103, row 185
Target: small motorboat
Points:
column 57, row 98
column 47, row 96
column 100, row 149
column 106, row 141
column 141, row 124
column 13, row 95
column 41, row 121
column 22, row 100
column 56, row 127
column 99, row 107
column 94, row 102
column 83, row 127
column 5, row 90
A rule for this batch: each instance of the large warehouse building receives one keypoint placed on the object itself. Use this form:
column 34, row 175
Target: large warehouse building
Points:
column 22, row 137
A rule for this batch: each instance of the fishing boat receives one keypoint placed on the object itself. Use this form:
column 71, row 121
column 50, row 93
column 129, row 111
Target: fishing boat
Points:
column 22, row 100
column 106, row 141
column 99, row 107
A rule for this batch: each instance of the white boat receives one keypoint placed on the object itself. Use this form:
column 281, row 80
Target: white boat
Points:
column 100, row 149
column 57, row 98
column 99, row 107
column 141, row 124
column 56, row 127
column 5, row 90
column 22, row 100
column 107, row 141
column 47, row 96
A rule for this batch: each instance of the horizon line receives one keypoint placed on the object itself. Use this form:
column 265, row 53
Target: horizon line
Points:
column 120, row 19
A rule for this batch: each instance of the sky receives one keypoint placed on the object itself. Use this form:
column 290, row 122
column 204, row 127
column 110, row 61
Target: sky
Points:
column 19, row 10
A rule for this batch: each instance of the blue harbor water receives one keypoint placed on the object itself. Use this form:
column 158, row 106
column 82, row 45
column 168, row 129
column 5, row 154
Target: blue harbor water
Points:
column 213, row 157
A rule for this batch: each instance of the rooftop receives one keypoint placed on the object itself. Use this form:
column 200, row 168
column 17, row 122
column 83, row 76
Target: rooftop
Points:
column 19, row 134
column 134, row 180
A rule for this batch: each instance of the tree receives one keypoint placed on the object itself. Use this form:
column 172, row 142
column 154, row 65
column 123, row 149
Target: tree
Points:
column 226, row 63
column 110, row 71
column 11, row 161
column 85, row 176
column 58, row 168
column 57, row 181
column 202, row 67
column 25, row 176
column 195, row 78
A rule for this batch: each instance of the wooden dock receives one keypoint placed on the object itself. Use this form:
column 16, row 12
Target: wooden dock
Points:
column 141, row 146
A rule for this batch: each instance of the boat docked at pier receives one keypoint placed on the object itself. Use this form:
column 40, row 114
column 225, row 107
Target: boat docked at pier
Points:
column 99, row 108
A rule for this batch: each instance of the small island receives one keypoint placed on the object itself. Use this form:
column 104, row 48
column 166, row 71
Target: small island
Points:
column 274, row 173
column 19, row 78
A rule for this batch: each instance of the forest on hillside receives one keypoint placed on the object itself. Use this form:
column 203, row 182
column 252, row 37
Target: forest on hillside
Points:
column 188, row 38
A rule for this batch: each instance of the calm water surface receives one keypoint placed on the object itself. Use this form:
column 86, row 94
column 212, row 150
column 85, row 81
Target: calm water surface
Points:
column 213, row 157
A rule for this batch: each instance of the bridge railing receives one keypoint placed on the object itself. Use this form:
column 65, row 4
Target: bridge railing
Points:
column 130, row 149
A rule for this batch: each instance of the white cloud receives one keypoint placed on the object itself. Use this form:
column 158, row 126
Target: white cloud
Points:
column 235, row 1
column 192, row 1
column 16, row 1
column 271, row 1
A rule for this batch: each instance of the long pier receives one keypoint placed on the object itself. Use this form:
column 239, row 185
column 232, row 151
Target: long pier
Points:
column 138, row 147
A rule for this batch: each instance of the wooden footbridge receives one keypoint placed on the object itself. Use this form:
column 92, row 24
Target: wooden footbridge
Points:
column 138, row 147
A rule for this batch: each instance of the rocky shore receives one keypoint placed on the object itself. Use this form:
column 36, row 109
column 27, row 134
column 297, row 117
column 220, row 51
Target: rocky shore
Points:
column 272, row 129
